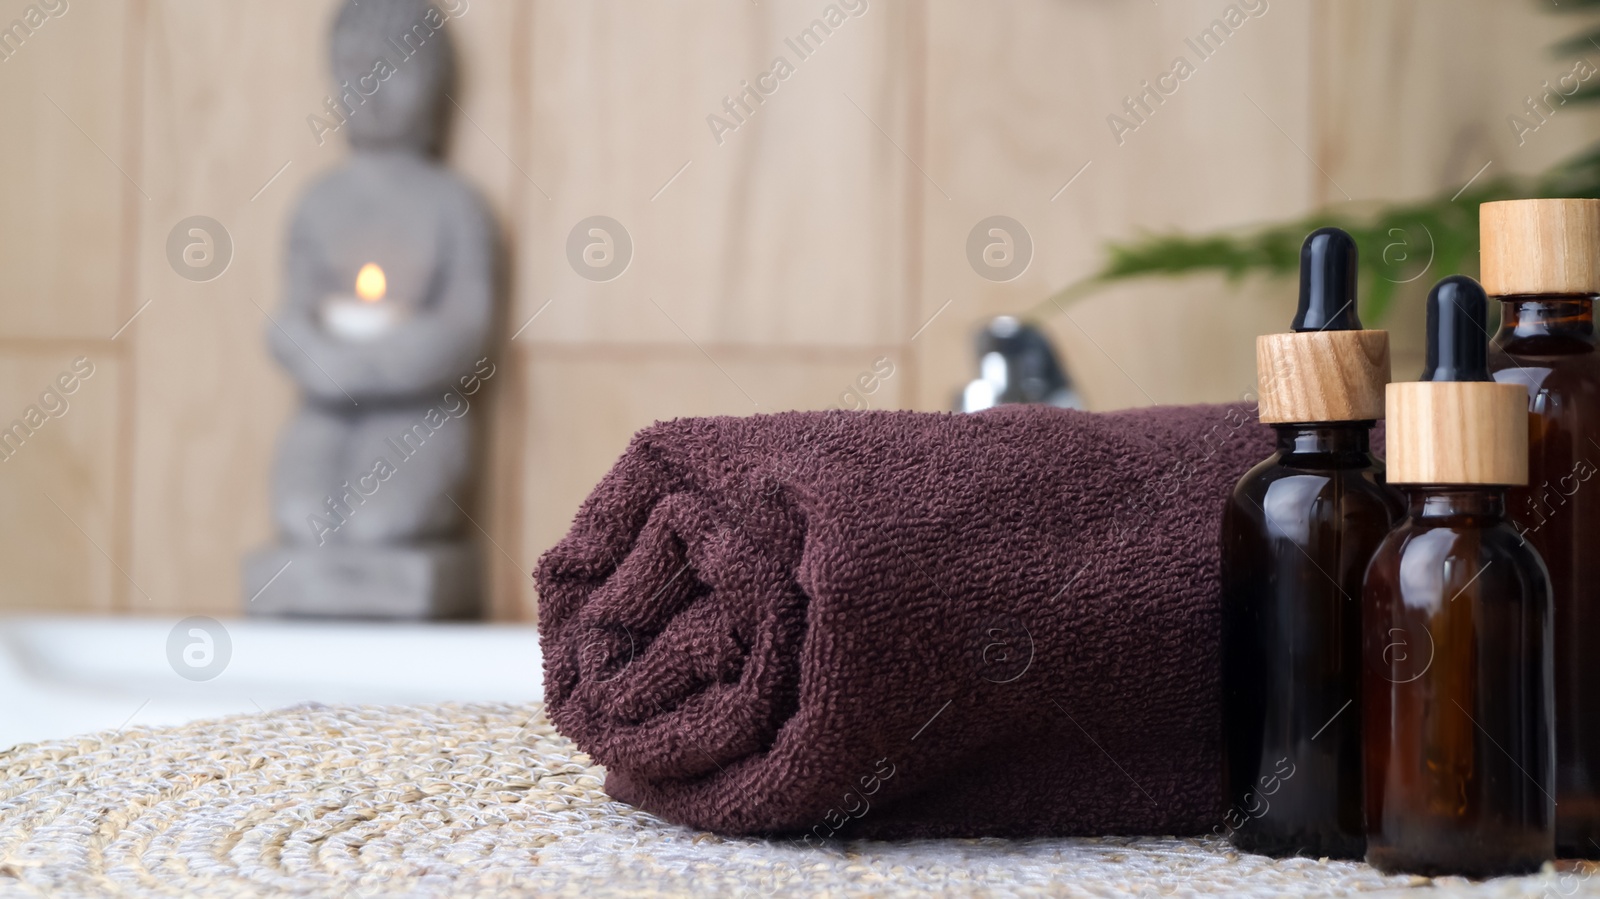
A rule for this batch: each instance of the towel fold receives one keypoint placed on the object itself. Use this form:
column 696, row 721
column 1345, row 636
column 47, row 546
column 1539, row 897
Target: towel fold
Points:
column 903, row 624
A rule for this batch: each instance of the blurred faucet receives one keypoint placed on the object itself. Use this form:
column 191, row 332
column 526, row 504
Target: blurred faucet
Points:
column 1016, row 365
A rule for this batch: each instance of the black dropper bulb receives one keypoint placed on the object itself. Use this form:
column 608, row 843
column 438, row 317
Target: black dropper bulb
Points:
column 1458, row 335
column 1327, row 283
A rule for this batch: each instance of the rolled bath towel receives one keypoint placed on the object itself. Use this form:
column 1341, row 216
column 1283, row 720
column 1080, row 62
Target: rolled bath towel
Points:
column 903, row 624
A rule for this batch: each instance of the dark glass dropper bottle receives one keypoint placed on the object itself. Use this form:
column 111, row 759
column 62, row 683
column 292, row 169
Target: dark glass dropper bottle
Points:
column 1296, row 537
column 1458, row 685
column 1541, row 258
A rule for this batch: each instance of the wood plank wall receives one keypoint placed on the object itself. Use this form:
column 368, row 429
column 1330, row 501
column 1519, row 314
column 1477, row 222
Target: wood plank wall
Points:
column 771, row 267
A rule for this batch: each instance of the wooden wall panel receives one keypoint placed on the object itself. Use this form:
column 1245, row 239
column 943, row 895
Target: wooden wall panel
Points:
column 1403, row 112
column 1126, row 343
column 790, row 231
column 488, row 145
column 57, row 487
column 64, row 140
column 67, row 236
column 223, row 117
column 1018, row 108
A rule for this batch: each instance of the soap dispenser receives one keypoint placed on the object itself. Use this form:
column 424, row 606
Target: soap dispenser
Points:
column 1458, row 677
column 1297, row 534
column 1016, row 364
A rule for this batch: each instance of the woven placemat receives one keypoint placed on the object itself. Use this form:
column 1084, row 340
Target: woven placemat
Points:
column 470, row 800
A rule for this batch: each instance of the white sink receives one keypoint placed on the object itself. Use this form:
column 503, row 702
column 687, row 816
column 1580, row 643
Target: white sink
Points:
column 61, row 676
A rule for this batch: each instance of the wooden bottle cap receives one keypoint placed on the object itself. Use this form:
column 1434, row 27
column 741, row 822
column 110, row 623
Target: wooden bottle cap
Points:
column 1309, row 376
column 1457, row 432
column 1540, row 247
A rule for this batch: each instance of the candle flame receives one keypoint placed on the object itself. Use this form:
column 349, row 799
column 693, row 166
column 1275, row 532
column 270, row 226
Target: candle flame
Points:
column 371, row 285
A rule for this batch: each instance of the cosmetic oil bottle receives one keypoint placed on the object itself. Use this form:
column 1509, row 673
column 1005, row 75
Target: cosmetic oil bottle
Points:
column 1458, row 681
column 1296, row 537
column 1541, row 258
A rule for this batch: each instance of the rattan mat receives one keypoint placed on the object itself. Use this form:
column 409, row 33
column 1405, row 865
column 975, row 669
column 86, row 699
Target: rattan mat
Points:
column 488, row 800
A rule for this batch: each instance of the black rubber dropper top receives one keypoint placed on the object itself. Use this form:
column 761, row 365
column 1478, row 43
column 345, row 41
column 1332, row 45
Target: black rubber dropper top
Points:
column 1327, row 283
column 1458, row 335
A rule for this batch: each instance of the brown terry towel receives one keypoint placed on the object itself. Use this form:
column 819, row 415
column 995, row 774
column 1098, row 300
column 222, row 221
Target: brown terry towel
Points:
column 903, row 624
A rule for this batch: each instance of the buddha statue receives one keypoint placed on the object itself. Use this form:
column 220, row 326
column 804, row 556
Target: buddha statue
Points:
column 388, row 299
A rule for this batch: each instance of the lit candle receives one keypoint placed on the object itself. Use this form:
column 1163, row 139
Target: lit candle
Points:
column 366, row 315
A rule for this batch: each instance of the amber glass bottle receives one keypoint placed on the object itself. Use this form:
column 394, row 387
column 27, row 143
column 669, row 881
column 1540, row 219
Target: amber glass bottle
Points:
column 1296, row 537
column 1542, row 257
column 1459, row 698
